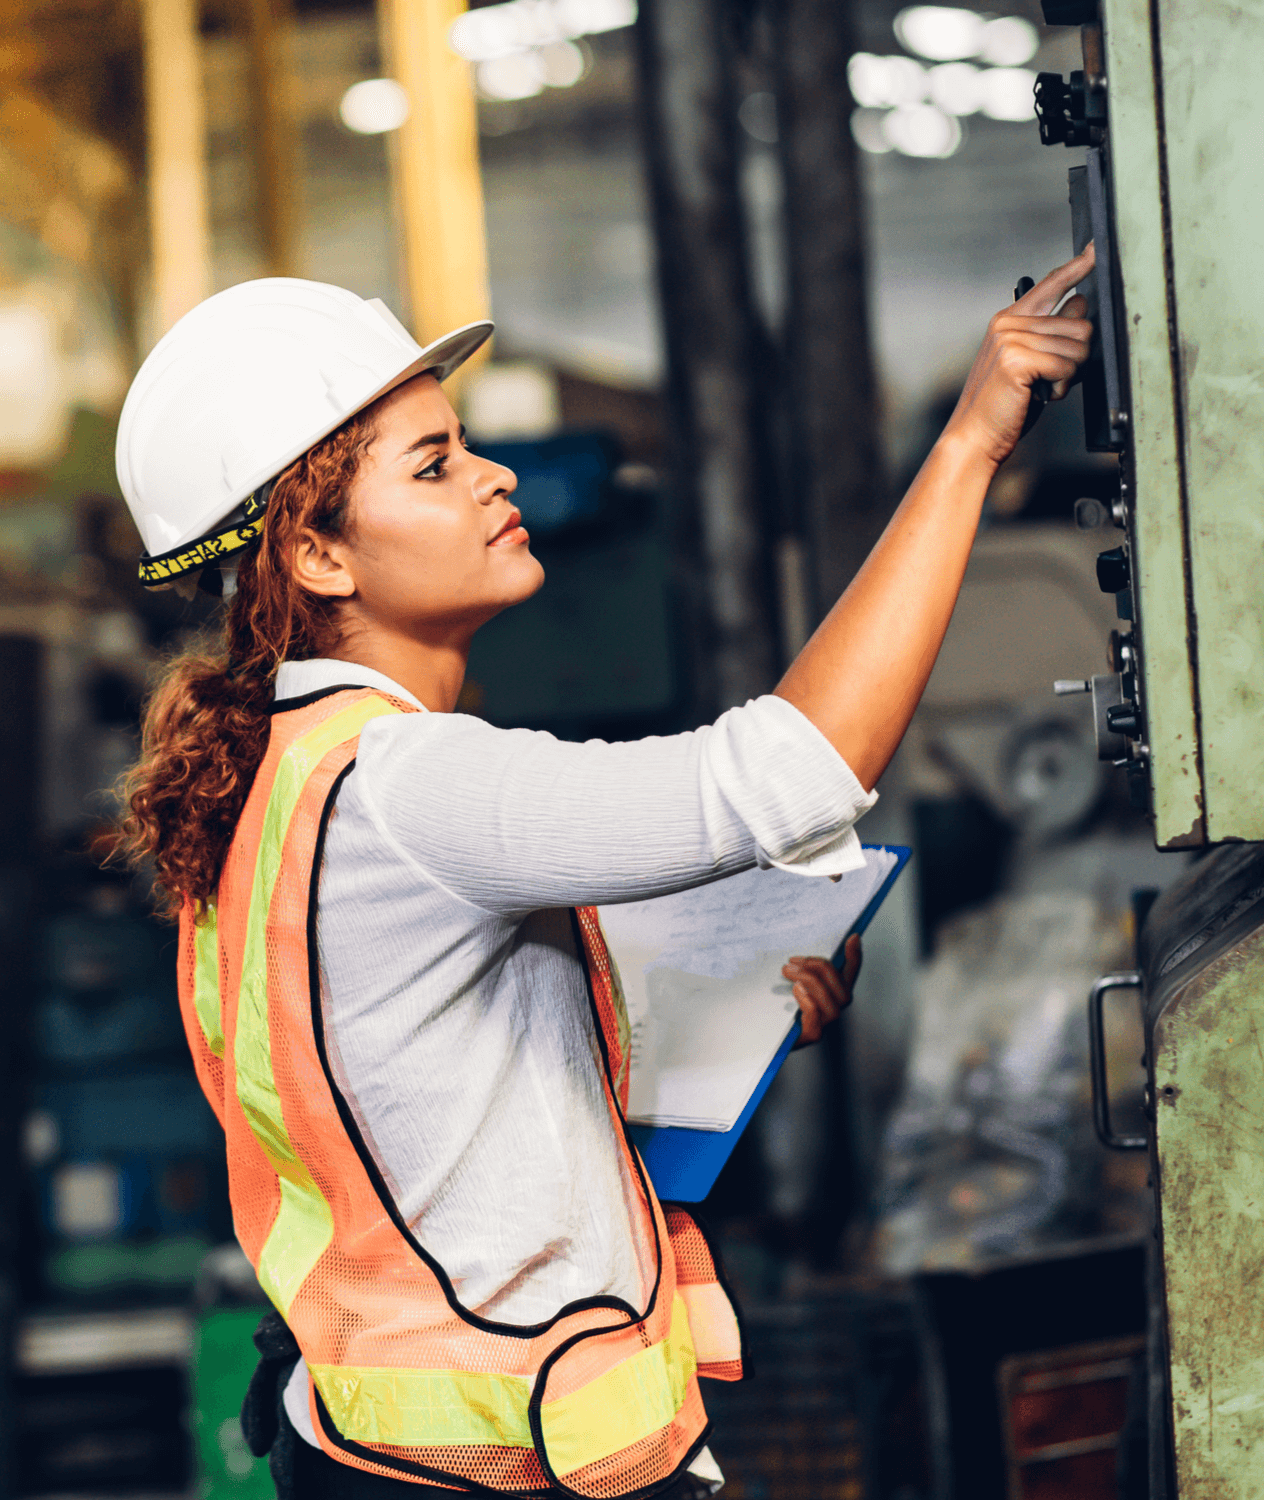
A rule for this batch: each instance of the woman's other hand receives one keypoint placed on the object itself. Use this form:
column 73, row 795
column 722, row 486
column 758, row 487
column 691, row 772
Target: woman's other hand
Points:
column 1025, row 342
column 821, row 991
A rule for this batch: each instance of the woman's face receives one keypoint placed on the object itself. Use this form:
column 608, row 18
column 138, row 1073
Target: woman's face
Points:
column 434, row 545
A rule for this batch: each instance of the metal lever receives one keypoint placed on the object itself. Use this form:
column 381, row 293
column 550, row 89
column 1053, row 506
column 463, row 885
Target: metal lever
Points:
column 1097, row 1061
column 1065, row 686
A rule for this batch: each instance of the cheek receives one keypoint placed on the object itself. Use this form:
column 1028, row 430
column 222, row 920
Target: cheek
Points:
column 425, row 551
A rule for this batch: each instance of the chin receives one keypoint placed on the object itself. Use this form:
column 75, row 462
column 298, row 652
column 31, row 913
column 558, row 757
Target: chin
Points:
column 525, row 581
column 533, row 577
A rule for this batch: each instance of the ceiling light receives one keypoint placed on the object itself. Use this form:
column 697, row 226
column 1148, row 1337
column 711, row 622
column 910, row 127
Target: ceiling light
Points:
column 520, row 76
column 1007, row 93
column 940, row 32
column 495, row 31
column 562, row 64
column 586, row 17
column 374, row 106
column 866, row 127
column 922, row 130
column 955, row 87
column 878, row 81
column 1009, row 41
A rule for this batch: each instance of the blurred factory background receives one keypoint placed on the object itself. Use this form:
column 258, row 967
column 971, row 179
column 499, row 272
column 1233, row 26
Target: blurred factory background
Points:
column 739, row 253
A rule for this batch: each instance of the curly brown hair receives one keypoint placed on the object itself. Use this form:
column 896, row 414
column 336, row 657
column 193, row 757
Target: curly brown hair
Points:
column 206, row 724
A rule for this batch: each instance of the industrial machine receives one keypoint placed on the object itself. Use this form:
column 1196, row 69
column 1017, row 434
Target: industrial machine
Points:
column 1168, row 111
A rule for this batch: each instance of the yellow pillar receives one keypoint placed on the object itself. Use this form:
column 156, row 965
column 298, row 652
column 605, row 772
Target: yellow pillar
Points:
column 438, row 186
column 276, row 155
column 180, row 248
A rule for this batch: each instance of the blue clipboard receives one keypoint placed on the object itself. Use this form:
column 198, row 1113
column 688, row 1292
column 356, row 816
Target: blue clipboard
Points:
column 683, row 1164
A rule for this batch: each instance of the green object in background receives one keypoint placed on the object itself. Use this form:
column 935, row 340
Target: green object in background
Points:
column 169, row 1262
column 224, row 1359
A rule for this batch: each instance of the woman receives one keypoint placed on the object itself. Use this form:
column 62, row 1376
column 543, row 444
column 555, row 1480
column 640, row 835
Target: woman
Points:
column 391, row 974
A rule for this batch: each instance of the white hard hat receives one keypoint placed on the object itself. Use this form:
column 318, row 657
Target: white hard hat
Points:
column 238, row 389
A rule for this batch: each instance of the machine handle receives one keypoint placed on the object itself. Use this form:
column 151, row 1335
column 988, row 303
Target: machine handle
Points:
column 1097, row 1061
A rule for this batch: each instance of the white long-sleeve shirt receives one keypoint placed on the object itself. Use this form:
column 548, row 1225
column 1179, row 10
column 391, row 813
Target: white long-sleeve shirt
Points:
column 455, row 1002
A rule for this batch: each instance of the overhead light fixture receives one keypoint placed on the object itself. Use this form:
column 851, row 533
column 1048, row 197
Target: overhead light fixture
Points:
column 374, row 106
column 1007, row 93
column 563, row 64
column 878, row 82
column 1008, row 42
column 940, row 32
column 496, row 31
column 866, row 127
column 955, row 87
column 946, row 33
column 519, row 76
column 922, row 130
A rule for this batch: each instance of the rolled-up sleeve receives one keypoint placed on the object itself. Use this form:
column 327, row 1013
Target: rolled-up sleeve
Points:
column 514, row 820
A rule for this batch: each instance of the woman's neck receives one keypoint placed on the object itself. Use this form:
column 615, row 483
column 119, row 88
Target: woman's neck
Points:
column 432, row 672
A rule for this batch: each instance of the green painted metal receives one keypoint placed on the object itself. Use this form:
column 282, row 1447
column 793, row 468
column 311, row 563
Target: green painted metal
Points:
column 224, row 1359
column 1158, row 525
column 1208, row 1051
column 1213, row 118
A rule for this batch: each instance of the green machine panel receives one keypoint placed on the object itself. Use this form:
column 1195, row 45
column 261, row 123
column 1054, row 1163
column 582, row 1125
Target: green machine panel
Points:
column 1170, row 118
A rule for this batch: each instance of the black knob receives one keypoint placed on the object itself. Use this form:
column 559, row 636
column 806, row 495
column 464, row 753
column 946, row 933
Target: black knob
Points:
column 1062, row 110
column 1112, row 571
column 1122, row 719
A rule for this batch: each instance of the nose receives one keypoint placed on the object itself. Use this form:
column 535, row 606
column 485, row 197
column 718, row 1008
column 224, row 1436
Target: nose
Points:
column 492, row 480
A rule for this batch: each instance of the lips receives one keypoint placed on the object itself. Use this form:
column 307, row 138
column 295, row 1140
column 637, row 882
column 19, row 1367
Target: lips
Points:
column 511, row 533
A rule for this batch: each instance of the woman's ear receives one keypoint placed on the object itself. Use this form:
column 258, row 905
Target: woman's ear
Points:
column 322, row 566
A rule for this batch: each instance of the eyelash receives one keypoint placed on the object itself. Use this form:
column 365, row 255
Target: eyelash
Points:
column 438, row 468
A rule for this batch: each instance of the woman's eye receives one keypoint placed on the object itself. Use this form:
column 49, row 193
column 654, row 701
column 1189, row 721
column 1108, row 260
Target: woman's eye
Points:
column 434, row 470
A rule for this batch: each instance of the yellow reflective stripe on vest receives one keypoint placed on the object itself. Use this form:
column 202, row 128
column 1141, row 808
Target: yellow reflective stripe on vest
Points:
column 626, row 1404
column 426, row 1408
column 206, row 981
column 303, row 1226
column 447, row 1408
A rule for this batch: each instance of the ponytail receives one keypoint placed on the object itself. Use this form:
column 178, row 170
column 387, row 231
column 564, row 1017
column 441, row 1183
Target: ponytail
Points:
column 206, row 725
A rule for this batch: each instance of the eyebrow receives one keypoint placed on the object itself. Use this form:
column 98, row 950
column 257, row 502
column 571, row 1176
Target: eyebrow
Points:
column 434, row 440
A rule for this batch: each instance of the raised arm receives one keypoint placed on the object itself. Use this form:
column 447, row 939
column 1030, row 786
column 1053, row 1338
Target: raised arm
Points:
column 862, row 674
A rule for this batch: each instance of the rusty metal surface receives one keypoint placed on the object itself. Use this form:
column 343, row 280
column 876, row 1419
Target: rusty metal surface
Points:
column 1158, row 529
column 1208, row 1054
column 1213, row 133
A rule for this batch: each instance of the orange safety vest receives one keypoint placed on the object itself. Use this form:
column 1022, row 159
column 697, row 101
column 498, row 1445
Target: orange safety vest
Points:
column 602, row 1400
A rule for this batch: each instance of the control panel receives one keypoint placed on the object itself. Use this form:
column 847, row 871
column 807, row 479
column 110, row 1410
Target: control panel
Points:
column 1166, row 123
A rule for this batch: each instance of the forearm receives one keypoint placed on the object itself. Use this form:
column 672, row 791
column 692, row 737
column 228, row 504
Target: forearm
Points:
column 862, row 674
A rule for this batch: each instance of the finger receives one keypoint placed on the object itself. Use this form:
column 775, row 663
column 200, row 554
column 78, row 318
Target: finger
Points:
column 1027, row 362
column 1046, row 294
column 825, row 1001
column 1077, row 329
column 1074, row 307
column 830, row 980
column 1041, row 344
column 824, row 982
column 810, row 1023
column 853, row 958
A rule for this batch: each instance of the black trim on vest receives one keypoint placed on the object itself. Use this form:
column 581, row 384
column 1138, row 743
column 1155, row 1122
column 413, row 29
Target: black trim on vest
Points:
column 537, row 1393
column 704, row 1229
column 457, row 1482
column 351, row 1126
column 537, row 1433
column 372, row 1171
